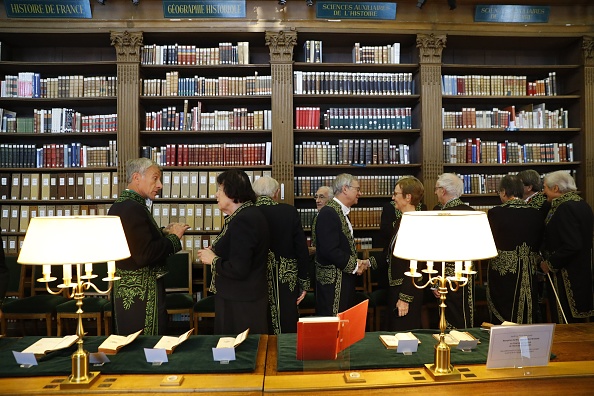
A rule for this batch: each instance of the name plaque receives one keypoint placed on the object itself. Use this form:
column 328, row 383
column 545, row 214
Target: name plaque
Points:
column 353, row 10
column 204, row 9
column 48, row 8
column 512, row 13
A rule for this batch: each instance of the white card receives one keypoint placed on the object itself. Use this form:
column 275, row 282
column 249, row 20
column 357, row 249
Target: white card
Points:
column 25, row 359
column 407, row 346
column 155, row 355
column 223, row 354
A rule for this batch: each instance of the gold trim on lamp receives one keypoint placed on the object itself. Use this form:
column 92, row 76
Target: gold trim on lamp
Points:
column 78, row 240
column 446, row 236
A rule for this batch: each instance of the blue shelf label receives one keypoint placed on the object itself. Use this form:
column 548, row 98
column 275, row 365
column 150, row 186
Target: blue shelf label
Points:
column 48, row 8
column 355, row 10
column 204, row 9
column 512, row 13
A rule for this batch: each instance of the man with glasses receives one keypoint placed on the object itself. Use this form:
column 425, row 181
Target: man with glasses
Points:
column 337, row 265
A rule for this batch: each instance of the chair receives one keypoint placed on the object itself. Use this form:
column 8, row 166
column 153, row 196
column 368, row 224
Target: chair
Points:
column 178, row 285
column 39, row 306
column 93, row 302
column 205, row 307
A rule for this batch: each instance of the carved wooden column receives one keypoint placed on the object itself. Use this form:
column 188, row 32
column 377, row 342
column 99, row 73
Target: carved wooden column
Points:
column 430, row 48
column 588, row 117
column 127, row 45
column 281, row 46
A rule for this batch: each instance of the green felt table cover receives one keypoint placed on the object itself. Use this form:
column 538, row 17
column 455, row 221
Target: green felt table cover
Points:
column 194, row 356
column 370, row 352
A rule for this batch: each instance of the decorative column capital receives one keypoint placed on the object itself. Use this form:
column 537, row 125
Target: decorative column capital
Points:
column 127, row 45
column 430, row 47
column 281, row 45
column 588, row 48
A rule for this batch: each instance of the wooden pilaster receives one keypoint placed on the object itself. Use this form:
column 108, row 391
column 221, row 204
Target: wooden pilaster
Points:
column 588, row 117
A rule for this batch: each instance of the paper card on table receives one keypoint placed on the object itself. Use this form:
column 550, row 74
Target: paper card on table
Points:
column 392, row 341
column 223, row 354
column 25, row 359
column 520, row 346
column 98, row 358
column 407, row 346
column 467, row 345
column 155, row 355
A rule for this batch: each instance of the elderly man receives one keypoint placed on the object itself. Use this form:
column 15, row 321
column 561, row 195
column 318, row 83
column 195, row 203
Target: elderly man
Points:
column 460, row 304
column 337, row 265
column 287, row 272
column 323, row 195
column 533, row 195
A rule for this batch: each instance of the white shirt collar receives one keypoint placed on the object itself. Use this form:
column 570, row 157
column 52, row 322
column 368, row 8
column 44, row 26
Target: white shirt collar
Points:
column 345, row 209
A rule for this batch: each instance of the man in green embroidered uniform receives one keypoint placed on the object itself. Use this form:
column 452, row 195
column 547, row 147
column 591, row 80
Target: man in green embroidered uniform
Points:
column 288, row 259
column 337, row 265
column 139, row 296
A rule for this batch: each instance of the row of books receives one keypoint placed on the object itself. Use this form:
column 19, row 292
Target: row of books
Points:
column 67, row 155
column 31, row 85
column 365, row 217
column 173, row 85
column 477, row 151
column 58, row 186
column 349, row 83
column 352, row 151
column 58, row 120
column 216, row 154
column 180, row 54
column 354, row 118
column 307, row 186
column 197, row 184
column 529, row 116
column 238, row 119
column 16, row 218
column 378, row 54
column 498, row 85
column 360, row 243
column 477, row 183
column 312, row 51
column 200, row 217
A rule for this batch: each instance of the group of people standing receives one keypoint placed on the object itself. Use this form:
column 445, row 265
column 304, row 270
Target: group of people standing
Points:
column 260, row 262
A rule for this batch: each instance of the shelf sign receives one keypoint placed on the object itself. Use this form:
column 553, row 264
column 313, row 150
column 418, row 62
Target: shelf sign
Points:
column 355, row 10
column 204, row 9
column 47, row 8
column 512, row 13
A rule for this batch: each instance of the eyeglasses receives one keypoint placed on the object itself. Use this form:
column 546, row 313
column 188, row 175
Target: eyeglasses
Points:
column 356, row 188
column 320, row 196
column 438, row 187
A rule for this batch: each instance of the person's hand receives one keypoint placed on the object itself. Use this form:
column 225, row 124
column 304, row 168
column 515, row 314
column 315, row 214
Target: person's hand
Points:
column 206, row 256
column 435, row 292
column 402, row 307
column 362, row 265
column 301, row 296
column 176, row 228
column 544, row 266
column 311, row 250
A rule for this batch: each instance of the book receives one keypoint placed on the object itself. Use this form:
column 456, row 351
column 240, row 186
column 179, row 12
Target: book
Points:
column 169, row 343
column 323, row 337
column 391, row 341
column 232, row 342
column 46, row 345
column 114, row 343
column 455, row 336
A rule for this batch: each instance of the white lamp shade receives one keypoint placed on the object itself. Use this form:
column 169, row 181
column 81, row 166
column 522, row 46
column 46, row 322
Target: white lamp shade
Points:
column 74, row 240
column 455, row 235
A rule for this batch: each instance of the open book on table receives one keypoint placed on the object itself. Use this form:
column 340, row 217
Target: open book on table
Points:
column 391, row 341
column 232, row 342
column 169, row 343
column 323, row 337
column 114, row 343
column 46, row 345
column 455, row 336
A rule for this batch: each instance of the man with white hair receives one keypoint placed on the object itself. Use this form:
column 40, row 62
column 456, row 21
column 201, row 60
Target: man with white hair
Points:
column 288, row 259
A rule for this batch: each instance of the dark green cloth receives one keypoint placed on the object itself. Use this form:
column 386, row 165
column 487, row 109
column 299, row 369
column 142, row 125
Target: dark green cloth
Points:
column 370, row 353
column 194, row 356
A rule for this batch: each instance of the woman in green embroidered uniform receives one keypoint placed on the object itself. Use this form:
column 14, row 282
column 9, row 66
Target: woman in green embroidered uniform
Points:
column 139, row 296
column 517, row 227
column 568, row 249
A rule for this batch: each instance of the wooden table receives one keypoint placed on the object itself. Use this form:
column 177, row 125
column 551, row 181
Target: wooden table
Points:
column 108, row 384
column 570, row 373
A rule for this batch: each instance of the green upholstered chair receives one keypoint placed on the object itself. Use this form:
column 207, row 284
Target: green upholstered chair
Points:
column 39, row 306
column 178, row 285
column 92, row 309
column 205, row 307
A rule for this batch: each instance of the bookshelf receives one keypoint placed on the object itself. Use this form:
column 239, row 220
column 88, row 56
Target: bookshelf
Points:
column 548, row 117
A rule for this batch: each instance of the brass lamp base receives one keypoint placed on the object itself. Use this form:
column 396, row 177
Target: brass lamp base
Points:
column 73, row 383
column 451, row 375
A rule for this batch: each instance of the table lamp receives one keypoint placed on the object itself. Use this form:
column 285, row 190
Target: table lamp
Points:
column 444, row 236
column 82, row 241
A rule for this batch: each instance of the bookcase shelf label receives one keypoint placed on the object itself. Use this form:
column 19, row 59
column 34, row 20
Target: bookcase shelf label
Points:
column 48, row 9
column 512, row 13
column 355, row 10
column 203, row 9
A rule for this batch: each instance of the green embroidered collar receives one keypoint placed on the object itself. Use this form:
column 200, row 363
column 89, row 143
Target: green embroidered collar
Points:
column 131, row 195
column 452, row 203
column 239, row 209
column 515, row 203
column 568, row 196
column 265, row 201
